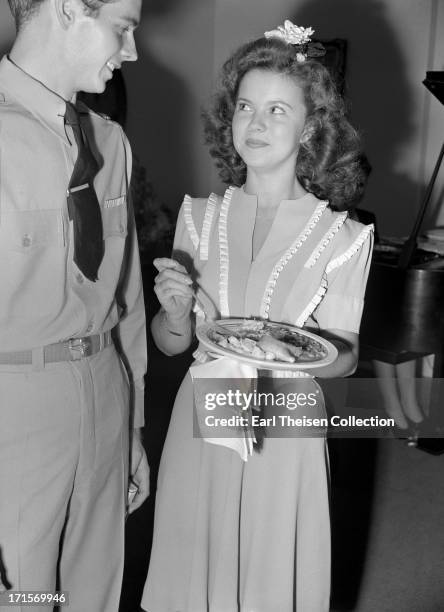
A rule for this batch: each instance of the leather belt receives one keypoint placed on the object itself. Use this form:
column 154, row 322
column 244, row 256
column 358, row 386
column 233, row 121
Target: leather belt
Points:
column 68, row 350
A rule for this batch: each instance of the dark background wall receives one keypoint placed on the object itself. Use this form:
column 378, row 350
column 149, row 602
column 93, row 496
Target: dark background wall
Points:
column 391, row 44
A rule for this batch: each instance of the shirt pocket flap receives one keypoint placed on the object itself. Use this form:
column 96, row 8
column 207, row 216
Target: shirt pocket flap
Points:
column 30, row 229
column 114, row 215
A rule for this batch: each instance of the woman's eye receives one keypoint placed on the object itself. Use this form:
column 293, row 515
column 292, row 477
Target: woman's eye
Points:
column 243, row 106
column 277, row 110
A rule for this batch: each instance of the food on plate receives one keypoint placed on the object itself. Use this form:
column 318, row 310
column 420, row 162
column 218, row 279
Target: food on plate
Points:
column 267, row 341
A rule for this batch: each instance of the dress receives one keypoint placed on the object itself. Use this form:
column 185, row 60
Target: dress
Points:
column 254, row 536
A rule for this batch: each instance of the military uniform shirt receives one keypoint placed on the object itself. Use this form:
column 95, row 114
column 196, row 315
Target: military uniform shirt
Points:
column 44, row 297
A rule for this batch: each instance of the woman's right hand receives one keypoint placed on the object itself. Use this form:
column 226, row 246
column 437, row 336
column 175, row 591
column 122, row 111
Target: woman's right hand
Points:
column 173, row 288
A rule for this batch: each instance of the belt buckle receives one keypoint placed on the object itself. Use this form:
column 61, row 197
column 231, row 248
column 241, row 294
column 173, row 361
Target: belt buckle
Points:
column 79, row 347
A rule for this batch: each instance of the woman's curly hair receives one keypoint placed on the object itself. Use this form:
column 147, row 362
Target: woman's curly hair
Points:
column 330, row 164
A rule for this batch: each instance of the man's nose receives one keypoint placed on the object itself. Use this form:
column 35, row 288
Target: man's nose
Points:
column 129, row 50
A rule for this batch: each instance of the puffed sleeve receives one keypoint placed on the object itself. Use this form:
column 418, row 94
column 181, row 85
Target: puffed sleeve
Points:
column 343, row 303
column 186, row 238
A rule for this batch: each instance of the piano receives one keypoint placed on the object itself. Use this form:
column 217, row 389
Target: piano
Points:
column 404, row 304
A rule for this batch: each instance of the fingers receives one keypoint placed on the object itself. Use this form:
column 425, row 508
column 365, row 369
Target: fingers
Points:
column 164, row 263
column 172, row 282
column 168, row 288
column 171, row 278
column 141, row 479
column 171, row 274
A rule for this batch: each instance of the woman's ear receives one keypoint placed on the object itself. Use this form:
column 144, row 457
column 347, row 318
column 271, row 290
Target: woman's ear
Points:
column 307, row 133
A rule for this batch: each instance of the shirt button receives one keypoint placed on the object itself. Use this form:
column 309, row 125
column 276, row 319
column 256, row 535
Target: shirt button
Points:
column 79, row 278
column 89, row 328
column 26, row 240
column 121, row 228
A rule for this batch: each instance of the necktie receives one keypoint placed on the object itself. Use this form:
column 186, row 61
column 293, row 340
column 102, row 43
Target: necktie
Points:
column 83, row 205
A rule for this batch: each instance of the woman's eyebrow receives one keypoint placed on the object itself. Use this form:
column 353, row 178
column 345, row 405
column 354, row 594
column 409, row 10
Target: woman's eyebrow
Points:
column 281, row 102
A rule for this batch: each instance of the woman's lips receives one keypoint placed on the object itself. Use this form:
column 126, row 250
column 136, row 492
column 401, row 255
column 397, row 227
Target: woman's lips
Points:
column 254, row 143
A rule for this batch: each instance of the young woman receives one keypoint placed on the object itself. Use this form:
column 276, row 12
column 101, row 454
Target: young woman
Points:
column 254, row 536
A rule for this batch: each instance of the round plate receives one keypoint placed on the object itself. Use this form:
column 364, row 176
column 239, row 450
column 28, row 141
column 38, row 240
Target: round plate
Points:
column 233, row 325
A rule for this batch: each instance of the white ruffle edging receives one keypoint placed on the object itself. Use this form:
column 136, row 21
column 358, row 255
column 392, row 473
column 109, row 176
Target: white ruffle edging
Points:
column 326, row 239
column 189, row 223
column 352, row 250
column 280, row 265
column 206, row 226
column 224, row 261
column 335, row 263
column 313, row 303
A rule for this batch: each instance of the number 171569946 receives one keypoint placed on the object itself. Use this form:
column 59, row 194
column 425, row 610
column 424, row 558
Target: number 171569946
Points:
column 33, row 598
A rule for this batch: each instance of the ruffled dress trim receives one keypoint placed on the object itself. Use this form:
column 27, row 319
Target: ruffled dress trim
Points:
column 326, row 239
column 352, row 250
column 314, row 302
column 224, row 261
column 206, row 227
column 334, row 263
column 189, row 223
column 283, row 261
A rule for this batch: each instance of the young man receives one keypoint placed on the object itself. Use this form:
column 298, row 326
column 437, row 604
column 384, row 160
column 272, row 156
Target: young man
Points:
column 72, row 318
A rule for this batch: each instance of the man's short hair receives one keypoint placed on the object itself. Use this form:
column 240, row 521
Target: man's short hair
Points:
column 24, row 10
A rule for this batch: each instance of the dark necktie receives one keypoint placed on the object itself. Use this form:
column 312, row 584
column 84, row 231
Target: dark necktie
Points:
column 83, row 205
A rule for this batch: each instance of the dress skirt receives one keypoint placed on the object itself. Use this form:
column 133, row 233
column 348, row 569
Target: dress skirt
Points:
column 235, row 536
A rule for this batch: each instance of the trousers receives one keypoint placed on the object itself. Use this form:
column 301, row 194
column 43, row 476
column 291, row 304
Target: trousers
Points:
column 63, row 479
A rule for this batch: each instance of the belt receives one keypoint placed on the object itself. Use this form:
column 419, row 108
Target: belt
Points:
column 68, row 350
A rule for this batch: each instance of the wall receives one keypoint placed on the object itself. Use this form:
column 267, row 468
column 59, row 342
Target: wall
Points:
column 392, row 43
column 388, row 55
column 166, row 88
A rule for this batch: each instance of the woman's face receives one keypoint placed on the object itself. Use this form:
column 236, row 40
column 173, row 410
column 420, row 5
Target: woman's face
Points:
column 268, row 120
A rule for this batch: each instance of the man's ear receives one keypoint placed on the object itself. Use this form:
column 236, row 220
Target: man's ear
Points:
column 65, row 11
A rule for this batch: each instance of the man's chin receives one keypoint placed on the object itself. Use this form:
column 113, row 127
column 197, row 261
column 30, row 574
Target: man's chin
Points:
column 97, row 88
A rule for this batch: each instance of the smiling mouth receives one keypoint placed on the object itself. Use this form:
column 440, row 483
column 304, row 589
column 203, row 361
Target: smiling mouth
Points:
column 111, row 66
column 253, row 143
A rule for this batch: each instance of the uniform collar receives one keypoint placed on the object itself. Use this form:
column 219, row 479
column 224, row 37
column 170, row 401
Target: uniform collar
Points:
column 48, row 107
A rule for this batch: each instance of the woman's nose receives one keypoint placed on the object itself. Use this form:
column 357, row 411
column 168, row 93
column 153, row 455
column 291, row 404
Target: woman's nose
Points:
column 258, row 122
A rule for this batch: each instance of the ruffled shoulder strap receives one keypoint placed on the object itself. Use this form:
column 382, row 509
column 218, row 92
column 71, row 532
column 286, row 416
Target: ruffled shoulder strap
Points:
column 210, row 209
column 198, row 215
column 364, row 234
column 189, row 222
column 352, row 249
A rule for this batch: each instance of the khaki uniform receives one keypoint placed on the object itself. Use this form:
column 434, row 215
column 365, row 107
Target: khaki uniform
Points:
column 64, row 425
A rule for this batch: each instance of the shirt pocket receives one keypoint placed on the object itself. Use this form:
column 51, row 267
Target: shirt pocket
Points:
column 115, row 217
column 29, row 230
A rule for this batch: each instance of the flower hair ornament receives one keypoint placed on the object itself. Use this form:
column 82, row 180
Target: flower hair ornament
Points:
column 300, row 38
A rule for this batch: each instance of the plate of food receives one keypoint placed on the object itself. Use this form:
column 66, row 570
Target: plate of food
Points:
column 266, row 344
